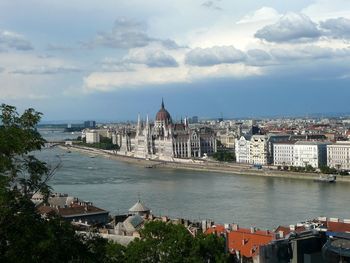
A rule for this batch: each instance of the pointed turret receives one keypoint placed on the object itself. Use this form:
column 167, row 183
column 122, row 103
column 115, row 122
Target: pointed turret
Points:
column 162, row 106
column 138, row 128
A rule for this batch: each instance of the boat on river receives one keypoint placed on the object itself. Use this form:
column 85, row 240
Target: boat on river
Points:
column 329, row 178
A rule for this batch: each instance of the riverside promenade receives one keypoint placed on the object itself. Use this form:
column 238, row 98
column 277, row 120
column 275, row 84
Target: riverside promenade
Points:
column 202, row 165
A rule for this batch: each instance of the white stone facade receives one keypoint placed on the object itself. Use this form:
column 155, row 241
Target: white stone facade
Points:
column 310, row 153
column 242, row 150
column 338, row 155
column 283, row 154
column 165, row 141
column 259, row 151
column 92, row 136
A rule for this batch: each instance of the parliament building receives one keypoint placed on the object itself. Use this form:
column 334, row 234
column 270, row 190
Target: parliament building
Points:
column 165, row 140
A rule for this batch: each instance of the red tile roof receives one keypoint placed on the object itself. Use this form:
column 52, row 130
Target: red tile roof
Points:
column 243, row 240
column 337, row 226
column 248, row 243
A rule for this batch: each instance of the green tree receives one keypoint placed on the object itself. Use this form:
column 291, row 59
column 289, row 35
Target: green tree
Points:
column 24, row 235
column 166, row 242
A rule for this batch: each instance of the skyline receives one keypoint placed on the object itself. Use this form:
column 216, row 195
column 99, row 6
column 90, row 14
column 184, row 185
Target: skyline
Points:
column 107, row 60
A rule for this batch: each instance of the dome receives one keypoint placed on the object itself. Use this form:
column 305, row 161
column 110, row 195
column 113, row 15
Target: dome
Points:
column 139, row 207
column 163, row 115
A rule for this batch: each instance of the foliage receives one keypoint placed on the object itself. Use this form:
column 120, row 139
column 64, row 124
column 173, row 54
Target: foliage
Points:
column 327, row 170
column 224, row 156
column 307, row 168
column 24, row 235
column 162, row 242
column 104, row 144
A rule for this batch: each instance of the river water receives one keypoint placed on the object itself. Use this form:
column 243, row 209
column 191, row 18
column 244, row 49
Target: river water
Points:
column 224, row 198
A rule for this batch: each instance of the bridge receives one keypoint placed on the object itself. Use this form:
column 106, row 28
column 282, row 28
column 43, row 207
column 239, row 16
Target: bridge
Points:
column 50, row 144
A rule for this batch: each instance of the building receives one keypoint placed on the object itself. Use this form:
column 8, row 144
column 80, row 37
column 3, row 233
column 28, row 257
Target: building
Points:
column 72, row 209
column 310, row 153
column 283, row 154
column 338, row 155
column 227, row 139
column 242, row 149
column 92, row 136
column 259, row 150
column 89, row 124
column 165, row 140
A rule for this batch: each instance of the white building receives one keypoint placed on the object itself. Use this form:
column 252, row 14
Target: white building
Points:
column 165, row 140
column 242, row 150
column 310, row 153
column 259, row 150
column 283, row 154
column 92, row 136
column 338, row 155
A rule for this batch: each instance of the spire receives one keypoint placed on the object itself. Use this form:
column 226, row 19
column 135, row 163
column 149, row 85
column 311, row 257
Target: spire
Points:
column 138, row 128
column 162, row 103
column 148, row 130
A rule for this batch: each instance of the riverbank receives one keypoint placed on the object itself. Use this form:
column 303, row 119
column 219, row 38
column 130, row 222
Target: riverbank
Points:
column 207, row 166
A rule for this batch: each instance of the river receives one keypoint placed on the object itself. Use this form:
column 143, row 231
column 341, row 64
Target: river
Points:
column 223, row 198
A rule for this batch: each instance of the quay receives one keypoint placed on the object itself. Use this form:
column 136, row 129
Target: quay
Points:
column 207, row 166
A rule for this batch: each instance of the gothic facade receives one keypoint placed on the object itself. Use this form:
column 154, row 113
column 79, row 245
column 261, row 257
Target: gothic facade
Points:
column 166, row 140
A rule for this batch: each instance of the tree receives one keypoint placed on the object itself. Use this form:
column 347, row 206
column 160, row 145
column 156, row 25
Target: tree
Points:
column 166, row 242
column 24, row 235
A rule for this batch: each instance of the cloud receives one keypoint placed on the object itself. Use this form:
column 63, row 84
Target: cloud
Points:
column 46, row 70
column 211, row 5
column 264, row 13
column 127, row 33
column 143, row 76
column 325, row 9
column 214, row 56
column 336, row 27
column 309, row 53
column 13, row 40
column 151, row 58
column 291, row 27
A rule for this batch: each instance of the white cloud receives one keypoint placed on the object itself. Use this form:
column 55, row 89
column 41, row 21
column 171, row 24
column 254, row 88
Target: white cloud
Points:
column 262, row 14
column 143, row 76
column 289, row 28
column 336, row 27
column 127, row 33
column 27, row 75
column 14, row 40
column 150, row 57
column 308, row 53
column 214, row 55
column 325, row 9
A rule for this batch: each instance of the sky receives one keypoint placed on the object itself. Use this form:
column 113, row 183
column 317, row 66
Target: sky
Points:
column 113, row 59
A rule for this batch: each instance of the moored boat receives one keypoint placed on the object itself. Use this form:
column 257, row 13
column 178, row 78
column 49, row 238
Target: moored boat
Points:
column 329, row 178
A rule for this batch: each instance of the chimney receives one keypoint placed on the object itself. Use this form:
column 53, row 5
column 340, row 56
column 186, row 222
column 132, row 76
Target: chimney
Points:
column 252, row 229
column 281, row 234
column 235, row 227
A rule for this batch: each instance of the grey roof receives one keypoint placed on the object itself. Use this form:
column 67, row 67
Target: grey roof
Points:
column 139, row 207
column 132, row 223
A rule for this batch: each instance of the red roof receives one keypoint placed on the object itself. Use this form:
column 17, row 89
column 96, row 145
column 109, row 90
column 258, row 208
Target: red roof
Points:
column 337, row 226
column 248, row 243
column 243, row 240
column 286, row 230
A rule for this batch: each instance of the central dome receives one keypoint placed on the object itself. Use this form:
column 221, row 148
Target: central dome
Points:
column 163, row 115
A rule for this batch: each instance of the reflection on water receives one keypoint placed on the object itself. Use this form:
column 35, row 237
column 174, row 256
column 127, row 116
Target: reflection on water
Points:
column 247, row 200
